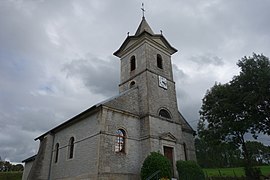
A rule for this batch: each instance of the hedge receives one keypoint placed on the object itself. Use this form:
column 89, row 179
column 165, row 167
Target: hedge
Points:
column 156, row 162
column 189, row 170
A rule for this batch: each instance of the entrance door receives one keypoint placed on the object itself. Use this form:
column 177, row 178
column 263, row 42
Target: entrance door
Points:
column 168, row 152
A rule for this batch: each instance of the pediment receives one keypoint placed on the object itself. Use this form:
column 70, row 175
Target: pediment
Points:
column 129, row 43
column 132, row 41
column 168, row 137
column 159, row 41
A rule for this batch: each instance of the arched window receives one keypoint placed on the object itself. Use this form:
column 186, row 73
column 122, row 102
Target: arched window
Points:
column 164, row 113
column 159, row 61
column 56, row 152
column 120, row 141
column 185, row 151
column 71, row 148
column 132, row 63
column 132, row 84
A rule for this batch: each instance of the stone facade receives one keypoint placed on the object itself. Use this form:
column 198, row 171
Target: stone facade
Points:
column 98, row 152
column 87, row 136
column 28, row 166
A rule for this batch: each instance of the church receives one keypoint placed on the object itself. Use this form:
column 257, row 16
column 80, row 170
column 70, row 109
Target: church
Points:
column 110, row 140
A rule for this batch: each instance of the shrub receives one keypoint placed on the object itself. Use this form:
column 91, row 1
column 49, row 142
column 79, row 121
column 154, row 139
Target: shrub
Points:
column 252, row 173
column 189, row 170
column 154, row 162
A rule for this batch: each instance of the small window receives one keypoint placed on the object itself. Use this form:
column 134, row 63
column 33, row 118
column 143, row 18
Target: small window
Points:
column 159, row 61
column 56, row 152
column 71, row 148
column 132, row 84
column 132, row 63
column 164, row 113
column 120, row 141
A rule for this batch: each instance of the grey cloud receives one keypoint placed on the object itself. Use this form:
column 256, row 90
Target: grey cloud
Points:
column 207, row 59
column 190, row 89
column 178, row 73
column 91, row 72
column 218, row 27
column 180, row 78
column 191, row 113
column 15, row 145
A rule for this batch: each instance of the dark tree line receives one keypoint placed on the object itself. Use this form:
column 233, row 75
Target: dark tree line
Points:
column 232, row 110
column 228, row 155
column 7, row 166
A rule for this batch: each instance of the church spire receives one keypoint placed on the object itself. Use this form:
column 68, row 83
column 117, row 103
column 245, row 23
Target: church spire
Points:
column 144, row 26
column 143, row 31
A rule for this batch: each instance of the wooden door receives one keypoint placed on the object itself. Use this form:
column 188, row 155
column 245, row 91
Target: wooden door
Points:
column 168, row 152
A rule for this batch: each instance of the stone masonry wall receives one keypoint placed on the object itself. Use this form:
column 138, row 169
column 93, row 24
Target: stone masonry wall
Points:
column 127, row 163
column 41, row 166
column 85, row 160
column 188, row 139
column 26, row 170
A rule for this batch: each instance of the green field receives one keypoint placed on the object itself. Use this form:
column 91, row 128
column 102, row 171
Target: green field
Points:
column 209, row 172
column 11, row 175
column 232, row 172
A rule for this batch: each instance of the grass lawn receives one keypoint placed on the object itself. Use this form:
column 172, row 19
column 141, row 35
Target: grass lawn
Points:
column 232, row 172
column 265, row 170
column 15, row 175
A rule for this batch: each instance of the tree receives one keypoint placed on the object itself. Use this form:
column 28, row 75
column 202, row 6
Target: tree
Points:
column 222, row 111
column 7, row 166
column 254, row 85
column 258, row 152
column 212, row 152
column 17, row 167
column 217, row 155
column 230, row 111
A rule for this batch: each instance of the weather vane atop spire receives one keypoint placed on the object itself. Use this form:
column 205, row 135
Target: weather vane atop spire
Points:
column 143, row 10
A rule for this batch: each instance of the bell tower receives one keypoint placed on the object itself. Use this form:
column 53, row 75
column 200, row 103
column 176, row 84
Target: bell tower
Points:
column 146, row 64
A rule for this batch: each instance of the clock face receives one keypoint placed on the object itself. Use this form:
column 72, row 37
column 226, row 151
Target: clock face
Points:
column 162, row 82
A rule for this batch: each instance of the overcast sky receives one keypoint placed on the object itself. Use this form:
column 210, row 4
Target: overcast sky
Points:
column 56, row 56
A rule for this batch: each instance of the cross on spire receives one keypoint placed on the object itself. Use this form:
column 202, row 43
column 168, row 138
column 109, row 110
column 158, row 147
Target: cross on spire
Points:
column 143, row 10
